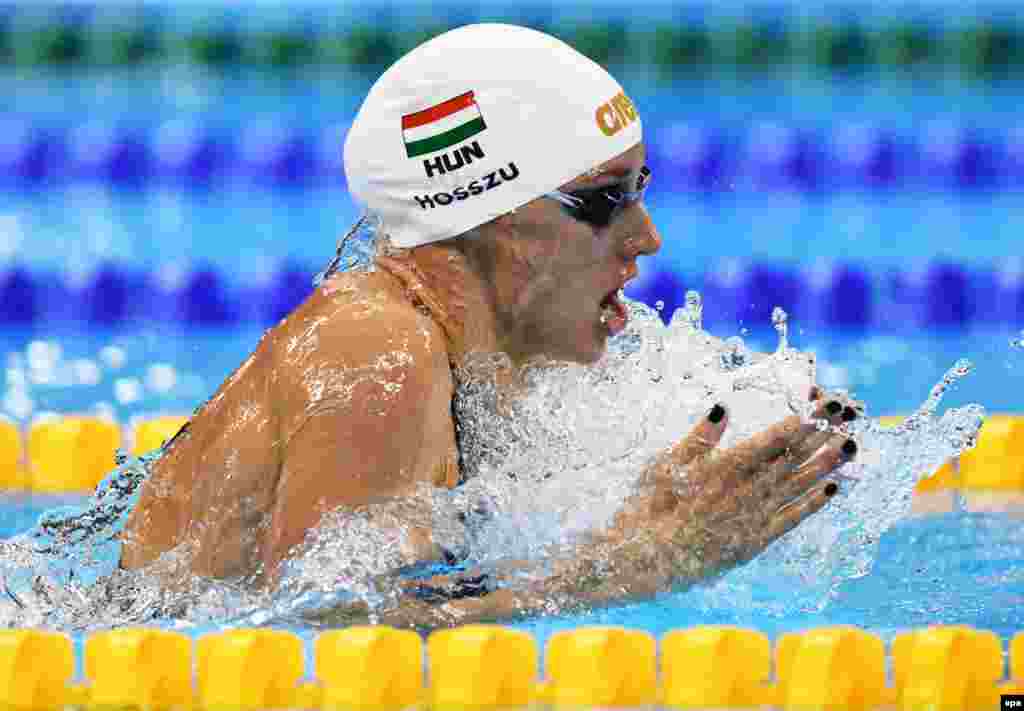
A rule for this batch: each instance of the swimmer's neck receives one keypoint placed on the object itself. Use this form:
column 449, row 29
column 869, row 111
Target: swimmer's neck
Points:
column 441, row 279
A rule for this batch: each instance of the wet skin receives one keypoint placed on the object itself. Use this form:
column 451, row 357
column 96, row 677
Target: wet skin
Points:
column 347, row 402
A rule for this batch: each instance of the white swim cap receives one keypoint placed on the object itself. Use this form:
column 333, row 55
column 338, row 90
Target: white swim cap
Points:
column 476, row 122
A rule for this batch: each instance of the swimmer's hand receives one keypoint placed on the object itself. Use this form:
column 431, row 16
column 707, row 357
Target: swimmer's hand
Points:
column 721, row 508
column 701, row 511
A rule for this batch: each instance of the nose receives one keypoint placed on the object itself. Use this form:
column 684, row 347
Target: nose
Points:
column 641, row 235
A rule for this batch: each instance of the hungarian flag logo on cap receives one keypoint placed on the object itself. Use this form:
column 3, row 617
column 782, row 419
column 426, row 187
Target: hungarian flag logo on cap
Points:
column 442, row 125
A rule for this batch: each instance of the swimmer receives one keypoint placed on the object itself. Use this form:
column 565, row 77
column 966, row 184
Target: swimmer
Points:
column 507, row 172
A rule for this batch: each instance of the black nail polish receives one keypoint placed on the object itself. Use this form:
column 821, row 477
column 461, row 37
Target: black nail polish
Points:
column 849, row 414
column 849, row 448
column 831, row 488
column 716, row 414
column 833, row 408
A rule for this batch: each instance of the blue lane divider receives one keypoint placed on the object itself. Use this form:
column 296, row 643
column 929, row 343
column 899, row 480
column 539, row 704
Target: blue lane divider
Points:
column 777, row 156
column 940, row 294
column 26, row 152
column 686, row 155
column 838, row 295
column 276, row 154
column 1013, row 148
column 108, row 152
column 184, row 152
column 865, row 155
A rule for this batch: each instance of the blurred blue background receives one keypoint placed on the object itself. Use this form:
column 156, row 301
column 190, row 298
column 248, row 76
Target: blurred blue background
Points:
column 170, row 181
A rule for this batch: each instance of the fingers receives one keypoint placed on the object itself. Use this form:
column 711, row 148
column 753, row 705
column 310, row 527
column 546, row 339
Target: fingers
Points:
column 725, row 471
column 755, row 538
column 856, row 407
column 780, row 483
column 704, row 437
column 810, row 446
column 724, row 477
column 793, row 509
column 783, row 438
column 787, row 518
column 789, row 434
column 830, row 457
column 837, row 411
column 742, row 462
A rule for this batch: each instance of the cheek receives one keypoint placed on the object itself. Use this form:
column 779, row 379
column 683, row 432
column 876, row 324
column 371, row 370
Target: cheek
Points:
column 559, row 293
column 560, row 320
column 552, row 274
column 578, row 262
column 564, row 296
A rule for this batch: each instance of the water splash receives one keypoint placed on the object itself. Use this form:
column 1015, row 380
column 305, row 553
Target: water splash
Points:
column 691, row 315
column 49, row 572
column 546, row 462
column 780, row 321
column 926, row 411
column 356, row 249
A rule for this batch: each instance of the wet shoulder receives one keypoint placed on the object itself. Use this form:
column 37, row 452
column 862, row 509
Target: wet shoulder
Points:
column 371, row 311
column 358, row 360
column 357, row 323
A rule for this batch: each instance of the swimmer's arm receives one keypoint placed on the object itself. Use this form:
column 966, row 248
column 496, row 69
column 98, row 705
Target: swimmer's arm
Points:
column 602, row 572
column 674, row 532
column 365, row 414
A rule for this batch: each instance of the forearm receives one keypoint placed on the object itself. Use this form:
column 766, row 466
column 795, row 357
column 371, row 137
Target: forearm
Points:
column 592, row 577
column 413, row 612
column 637, row 557
column 696, row 513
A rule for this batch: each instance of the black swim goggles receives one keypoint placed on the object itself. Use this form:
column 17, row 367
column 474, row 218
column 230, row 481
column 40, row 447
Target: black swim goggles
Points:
column 599, row 207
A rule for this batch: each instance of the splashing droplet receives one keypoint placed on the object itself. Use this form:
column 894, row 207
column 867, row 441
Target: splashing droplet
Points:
column 927, row 409
column 734, row 354
column 356, row 250
column 691, row 315
column 780, row 320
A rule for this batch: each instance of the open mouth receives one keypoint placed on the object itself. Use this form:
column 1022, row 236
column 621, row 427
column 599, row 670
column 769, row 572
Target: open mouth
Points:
column 613, row 312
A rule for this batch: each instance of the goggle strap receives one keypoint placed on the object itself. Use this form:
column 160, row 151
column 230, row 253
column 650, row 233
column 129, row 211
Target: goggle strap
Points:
column 564, row 198
column 642, row 183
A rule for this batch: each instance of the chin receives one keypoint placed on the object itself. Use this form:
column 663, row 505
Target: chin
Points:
column 583, row 345
column 590, row 353
column 577, row 353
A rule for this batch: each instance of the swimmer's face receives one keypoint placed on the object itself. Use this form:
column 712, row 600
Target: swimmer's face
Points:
column 555, row 269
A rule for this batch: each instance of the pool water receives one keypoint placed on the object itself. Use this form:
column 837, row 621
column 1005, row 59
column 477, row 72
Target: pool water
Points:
column 958, row 568
column 886, row 574
column 157, row 368
column 238, row 229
